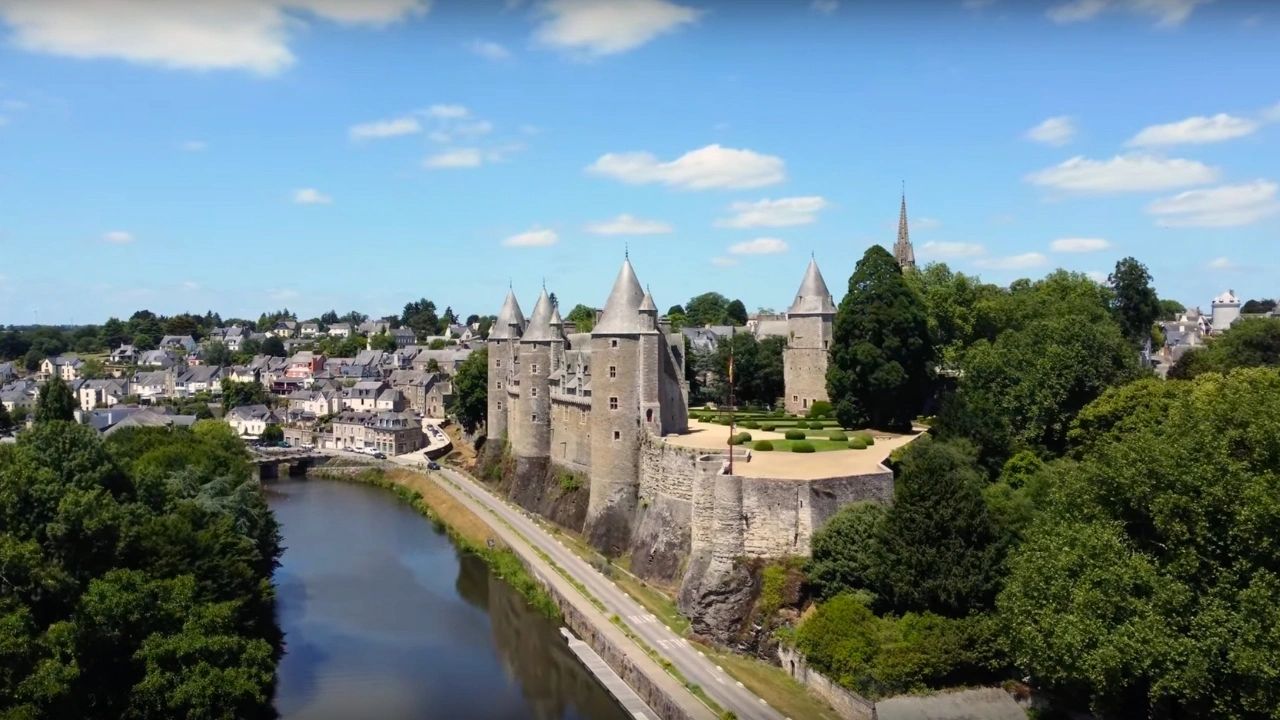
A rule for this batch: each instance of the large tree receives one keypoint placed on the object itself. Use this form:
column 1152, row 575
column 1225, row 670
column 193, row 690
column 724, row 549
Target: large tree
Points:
column 582, row 317
column 1251, row 342
column 881, row 353
column 1135, row 304
column 1148, row 583
column 843, row 550
column 735, row 313
column 6, row 421
column 55, row 401
column 420, row 316
column 709, row 308
column 953, row 301
column 470, row 402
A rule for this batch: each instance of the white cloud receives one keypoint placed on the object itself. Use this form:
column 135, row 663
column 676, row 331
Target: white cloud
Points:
column 759, row 246
column 1167, row 13
column 118, row 237
column 722, row 261
column 626, row 224
column 606, row 27
column 783, row 212
column 228, row 34
column 311, row 196
column 459, row 158
column 194, row 146
column 1223, row 206
column 1079, row 245
column 1221, row 263
column 1056, row 131
column 706, row 168
column 1271, row 114
column 1195, row 130
column 447, row 112
column 378, row 129
column 952, row 250
column 489, row 50
column 1024, row 261
column 924, row 223
column 826, row 7
column 532, row 238
column 1124, row 173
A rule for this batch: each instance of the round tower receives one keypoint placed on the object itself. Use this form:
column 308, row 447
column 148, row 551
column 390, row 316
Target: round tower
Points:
column 809, row 329
column 503, row 334
column 616, row 431
column 1226, row 310
column 533, row 417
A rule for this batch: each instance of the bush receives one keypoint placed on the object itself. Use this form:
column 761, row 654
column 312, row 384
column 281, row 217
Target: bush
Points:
column 837, row 435
column 740, row 438
column 762, row 446
column 820, row 409
column 795, row 435
column 750, row 424
column 770, row 428
column 803, row 446
column 802, row 424
column 867, row 438
column 858, row 444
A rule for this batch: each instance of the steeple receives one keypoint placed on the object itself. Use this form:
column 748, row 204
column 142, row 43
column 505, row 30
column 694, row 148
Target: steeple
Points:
column 902, row 250
column 813, row 297
column 622, row 310
column 540, row 321
column 510, row 321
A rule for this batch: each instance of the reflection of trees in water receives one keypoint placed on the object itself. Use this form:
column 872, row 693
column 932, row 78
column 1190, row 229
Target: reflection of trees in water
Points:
column 552, row 680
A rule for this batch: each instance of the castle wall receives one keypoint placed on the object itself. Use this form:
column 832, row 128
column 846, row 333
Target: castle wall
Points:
column 498, row 404
column 616, row 433
column 804, row 361
column 533, row 416
column 571, row 433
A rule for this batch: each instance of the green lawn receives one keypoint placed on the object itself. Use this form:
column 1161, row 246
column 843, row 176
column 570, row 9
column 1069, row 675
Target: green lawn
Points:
column 818, row 445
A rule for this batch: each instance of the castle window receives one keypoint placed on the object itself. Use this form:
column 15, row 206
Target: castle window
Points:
column 824, row 344
column 805, row 403
column 498, row 362
column 499, row 405
column 613, row 403
column 533, row 392
column 648, row 415
column 585, row 369
column 533, row 368
column 499, row 384
column 617, row 436
column 533, row 417
column 795, row 398
column 613, row 371
column 613, row 343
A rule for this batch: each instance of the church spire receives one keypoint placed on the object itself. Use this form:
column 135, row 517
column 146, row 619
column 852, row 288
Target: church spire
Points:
column 902, row 250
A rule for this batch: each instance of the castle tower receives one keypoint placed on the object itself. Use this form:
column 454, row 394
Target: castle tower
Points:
column 505, row 331
column 1225, row 311
column 650, row 357
column 617, row 387
column 804, row 361
column 532, row 420
column 902, row 250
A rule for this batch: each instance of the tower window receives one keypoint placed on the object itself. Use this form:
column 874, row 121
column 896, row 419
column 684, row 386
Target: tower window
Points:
column 533, row 368
column 617, row 436
column 648, row 415
column 498, row 362
column 613, row 343
column 499, row 404
column 613, row 371
column 499, row 384
column 533, row 417
column 533, row 392
column 613, row 403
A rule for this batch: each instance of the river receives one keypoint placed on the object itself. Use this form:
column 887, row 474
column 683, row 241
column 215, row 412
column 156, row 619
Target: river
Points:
column 385, row 618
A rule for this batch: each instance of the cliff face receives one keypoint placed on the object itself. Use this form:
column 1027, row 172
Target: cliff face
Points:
column 537, row 485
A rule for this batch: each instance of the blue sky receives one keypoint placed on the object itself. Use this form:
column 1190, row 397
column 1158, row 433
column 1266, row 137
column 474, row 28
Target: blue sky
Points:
column 316, row 154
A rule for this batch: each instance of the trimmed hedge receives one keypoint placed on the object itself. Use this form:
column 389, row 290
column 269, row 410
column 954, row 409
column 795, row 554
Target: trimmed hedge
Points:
column 795, row 435
column 837, row 435
column 740, row 438
column 750, row 424
column 819, row 409
column 770, row 428
column 867, row 438
column 858, row 444
column 803, row 446
column 762, row 446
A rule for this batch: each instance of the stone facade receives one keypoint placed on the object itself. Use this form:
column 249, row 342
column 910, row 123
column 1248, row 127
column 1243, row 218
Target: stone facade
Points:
column 809, row 328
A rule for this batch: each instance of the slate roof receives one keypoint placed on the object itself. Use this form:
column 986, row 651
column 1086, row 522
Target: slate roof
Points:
column 813, row 297
column 539, row 329
column 509, row 316
column 621, row 314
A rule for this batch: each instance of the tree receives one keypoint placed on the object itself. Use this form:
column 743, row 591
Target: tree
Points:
column 1251, row 342
column 954, row 302
column 735, row 313
column 272, row 433
column 675, row 310
column 843, row 550
column 6, row 420
column 708, row 308
column 937, row 549
column 881, row 353
column 238, row 394
column 383, row 341
column 217, row 353
column 329, row 318
column 420, row 316
column 1171, row 309
column 273, row 346
column 582, row 317
column 1258, row 307
column 31, row 361
column 1135, row 304
column 470, row 402
column 1147, row 582
column 55, row 401
column 93, row 369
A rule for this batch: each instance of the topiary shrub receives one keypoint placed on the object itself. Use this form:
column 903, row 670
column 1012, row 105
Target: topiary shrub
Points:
column 820, row 409
column 750, row 424
column 762, row 446
column 837, row 435
column 769, row 428
column 804, row 446
column 802, row 424
column 795, row 435
column 858, row 444
column 867, row 438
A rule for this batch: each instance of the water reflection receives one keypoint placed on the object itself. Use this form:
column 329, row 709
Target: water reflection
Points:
column 384, row 618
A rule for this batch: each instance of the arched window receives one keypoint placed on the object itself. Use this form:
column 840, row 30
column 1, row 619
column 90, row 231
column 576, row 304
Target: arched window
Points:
column 648, row 415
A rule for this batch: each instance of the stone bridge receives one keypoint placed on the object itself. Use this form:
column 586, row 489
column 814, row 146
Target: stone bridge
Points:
column 294, row 461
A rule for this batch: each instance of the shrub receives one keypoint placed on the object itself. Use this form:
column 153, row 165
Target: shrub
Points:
column 750, row 424
column 803, row 446
column 795, row 435
column 770, row 428
column 858, row 444
column 820, row 409
column 802, row 424
column 762, row 446
column 740, row 438
column 867, row 438
column 837, row 435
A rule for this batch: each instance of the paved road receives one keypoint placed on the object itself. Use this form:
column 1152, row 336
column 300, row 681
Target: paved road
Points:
column 690, row 662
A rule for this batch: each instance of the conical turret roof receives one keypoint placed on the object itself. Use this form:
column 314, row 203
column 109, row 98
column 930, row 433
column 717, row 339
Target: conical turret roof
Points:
column 647, row 305
column 622, row 311
column 556, row 321
column 812, row 298
column 540, row 321
column 509, row 315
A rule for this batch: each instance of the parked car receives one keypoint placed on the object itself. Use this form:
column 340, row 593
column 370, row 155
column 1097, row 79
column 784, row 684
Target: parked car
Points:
column 379, row 456
column 433, row 465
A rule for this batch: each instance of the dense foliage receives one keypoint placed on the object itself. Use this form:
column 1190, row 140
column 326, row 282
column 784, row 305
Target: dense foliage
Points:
column 238, row 394
column 470, row 404
column 757, row 376
column 1251, row 342
column 134, row 576
column 1134, row 304
column 881, row 352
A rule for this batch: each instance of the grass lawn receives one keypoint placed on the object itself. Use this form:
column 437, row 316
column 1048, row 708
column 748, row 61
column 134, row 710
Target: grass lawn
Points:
column 818, row 445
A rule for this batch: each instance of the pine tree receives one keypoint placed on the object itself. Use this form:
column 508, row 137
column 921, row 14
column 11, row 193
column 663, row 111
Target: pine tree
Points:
column 881, row 352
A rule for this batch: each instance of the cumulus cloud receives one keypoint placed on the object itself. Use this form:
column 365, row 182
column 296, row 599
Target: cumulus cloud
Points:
column 532, row 238
column 626, row 224
column 118, row 237
column 706, row 168
column 379, row 129
column 1056, row 131
column 1025, row 261
column 1079, row 245
column 1223, row 206
column 952, row 250
column 783, row 212
column 248, row 35
column 759, row 246
column 489, row 50
column 1167, row 13
column 456, row 158
column 311, row 196
column 1123, row 173
column 607, row 27
column 1195, row 130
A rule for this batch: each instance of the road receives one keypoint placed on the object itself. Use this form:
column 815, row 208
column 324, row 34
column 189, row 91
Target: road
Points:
column 695, row 667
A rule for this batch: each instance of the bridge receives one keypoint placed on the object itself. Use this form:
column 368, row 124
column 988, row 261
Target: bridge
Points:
column 295, row 461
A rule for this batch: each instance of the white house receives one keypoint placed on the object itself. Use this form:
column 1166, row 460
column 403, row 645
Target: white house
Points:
column 251, row 420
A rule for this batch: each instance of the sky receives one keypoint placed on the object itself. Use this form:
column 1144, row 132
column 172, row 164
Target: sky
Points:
column 248, row 155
